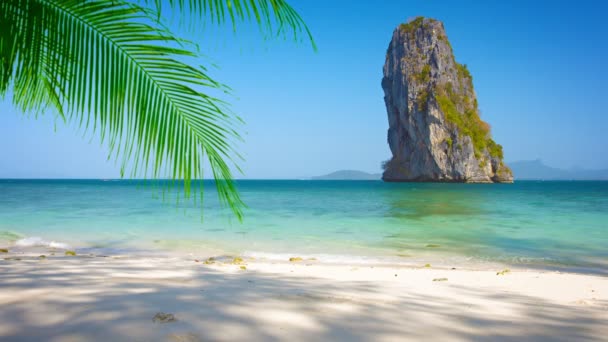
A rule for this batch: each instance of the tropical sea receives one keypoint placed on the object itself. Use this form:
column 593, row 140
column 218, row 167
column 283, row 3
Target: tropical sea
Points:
column 561, row 225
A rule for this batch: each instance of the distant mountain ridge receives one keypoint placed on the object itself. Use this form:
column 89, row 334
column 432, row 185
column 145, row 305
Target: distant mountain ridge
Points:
column 537, row 170
column 349, row 175
column 522, row 170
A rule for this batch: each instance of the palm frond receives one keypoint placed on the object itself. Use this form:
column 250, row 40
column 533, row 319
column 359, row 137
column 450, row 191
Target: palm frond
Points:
column 272, row 16
column 108, row 66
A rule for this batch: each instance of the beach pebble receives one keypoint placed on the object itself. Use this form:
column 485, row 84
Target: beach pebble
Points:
column 162, row 317
column 295, row 259
column 3, row 250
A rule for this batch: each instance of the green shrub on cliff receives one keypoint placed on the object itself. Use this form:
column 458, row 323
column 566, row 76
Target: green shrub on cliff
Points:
column 425, row 75
column 494, row 149
column 468, row 123
column 449, row 141
column 464, row 73
column 412, row 26
column 422, row 100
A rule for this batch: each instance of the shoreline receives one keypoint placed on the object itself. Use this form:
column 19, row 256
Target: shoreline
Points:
column 433, row 256
column 116, row 297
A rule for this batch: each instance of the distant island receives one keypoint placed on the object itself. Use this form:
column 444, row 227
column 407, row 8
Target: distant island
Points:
column 522, row 170
column 537, row 170
column 349, row 175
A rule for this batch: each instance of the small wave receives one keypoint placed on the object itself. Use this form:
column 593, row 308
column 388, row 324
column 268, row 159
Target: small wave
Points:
column 35, row 241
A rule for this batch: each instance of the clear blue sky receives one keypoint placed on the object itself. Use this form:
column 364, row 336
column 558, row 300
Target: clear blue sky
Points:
column 539, row 70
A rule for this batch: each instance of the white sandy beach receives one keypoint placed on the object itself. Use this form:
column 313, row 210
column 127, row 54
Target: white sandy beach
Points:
column 115, row 298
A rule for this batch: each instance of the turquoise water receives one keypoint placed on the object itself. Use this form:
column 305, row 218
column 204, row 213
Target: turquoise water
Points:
column 558, row 224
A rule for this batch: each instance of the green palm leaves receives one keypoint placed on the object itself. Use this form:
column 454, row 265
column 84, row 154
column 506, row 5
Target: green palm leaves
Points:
column 111, row 66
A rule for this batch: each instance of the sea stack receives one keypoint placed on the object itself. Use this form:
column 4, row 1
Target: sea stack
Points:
column 435, row 133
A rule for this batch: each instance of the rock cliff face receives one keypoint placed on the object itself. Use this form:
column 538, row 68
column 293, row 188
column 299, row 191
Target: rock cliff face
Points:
column 435, row 133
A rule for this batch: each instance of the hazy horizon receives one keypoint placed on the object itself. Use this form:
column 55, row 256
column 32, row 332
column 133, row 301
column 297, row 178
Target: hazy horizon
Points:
column 308, row 177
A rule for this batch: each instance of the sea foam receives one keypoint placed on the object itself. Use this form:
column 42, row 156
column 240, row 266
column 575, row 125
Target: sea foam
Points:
column 35, row 241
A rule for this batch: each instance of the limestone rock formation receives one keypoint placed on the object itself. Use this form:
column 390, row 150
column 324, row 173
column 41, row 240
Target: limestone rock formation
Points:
column 435, row 133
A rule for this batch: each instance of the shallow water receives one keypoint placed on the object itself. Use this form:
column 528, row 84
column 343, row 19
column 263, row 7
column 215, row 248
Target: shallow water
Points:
column 557, row 224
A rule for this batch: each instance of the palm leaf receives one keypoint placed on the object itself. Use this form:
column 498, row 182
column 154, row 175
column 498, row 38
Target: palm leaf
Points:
column 108, row 66
column 272, row 16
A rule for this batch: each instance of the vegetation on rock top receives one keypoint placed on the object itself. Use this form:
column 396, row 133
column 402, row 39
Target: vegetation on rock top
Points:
column 413, row 25
column 460, row 111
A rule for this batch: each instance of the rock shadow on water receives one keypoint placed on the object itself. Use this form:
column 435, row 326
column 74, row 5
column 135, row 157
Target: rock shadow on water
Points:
column 418, row 204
